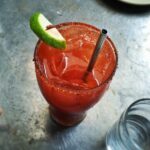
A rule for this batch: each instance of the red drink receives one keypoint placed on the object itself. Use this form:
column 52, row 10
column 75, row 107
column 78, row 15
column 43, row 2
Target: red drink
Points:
column 60, row 72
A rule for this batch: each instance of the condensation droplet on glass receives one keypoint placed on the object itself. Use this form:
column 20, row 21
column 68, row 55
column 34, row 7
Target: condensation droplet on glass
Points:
column 106, row 66
column 106, row 55
column 86, row 59
column 103, row 72
column 80, row 43
column 87, row 38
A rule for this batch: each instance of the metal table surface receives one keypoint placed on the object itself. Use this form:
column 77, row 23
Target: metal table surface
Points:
column 24, row 117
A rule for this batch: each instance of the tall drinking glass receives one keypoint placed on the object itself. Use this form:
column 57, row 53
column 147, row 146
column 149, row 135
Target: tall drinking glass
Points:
column 60, row 72
column 132, row 130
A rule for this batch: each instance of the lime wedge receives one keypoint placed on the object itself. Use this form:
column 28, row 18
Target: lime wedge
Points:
column 38, row 24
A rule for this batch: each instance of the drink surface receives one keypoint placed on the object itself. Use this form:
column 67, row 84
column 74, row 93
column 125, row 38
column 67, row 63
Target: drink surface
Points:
column 67, row 67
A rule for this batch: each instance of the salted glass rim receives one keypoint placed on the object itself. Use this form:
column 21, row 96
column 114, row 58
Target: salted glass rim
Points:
column 109, row 78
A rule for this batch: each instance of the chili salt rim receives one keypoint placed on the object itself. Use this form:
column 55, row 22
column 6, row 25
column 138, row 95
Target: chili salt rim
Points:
column 95, row 28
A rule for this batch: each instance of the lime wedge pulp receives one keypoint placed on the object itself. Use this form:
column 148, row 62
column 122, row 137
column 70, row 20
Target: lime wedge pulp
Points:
column 38, row 24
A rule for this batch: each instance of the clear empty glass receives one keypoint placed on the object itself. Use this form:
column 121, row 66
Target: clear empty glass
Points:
column 132, row 130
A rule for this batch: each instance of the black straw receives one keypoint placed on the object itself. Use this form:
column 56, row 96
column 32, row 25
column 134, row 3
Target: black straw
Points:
column 96, row 52
column 97, row 49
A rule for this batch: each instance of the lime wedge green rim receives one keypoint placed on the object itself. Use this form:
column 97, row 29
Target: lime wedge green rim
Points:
column 44, row 36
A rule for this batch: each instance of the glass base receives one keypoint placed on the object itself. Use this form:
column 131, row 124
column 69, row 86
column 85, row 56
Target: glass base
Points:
column 66, row 119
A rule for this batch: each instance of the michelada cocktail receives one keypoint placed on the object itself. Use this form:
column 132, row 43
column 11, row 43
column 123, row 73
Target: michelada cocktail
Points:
column 60, row 72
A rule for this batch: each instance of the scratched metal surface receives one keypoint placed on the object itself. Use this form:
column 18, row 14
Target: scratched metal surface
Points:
column 24, row 116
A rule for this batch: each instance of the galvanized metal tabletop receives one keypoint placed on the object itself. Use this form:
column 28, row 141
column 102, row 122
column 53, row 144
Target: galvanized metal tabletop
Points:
column 24, row 117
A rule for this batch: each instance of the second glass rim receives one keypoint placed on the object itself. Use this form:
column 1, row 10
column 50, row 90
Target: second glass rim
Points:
column 134, row 103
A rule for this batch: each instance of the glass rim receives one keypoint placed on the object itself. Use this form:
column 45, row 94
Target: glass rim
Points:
column 125, row 116
column 129, row 108
column 134, row 103
column 109, row 78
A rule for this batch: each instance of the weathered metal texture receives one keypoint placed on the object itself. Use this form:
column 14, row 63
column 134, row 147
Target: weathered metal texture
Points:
column 24, row 117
